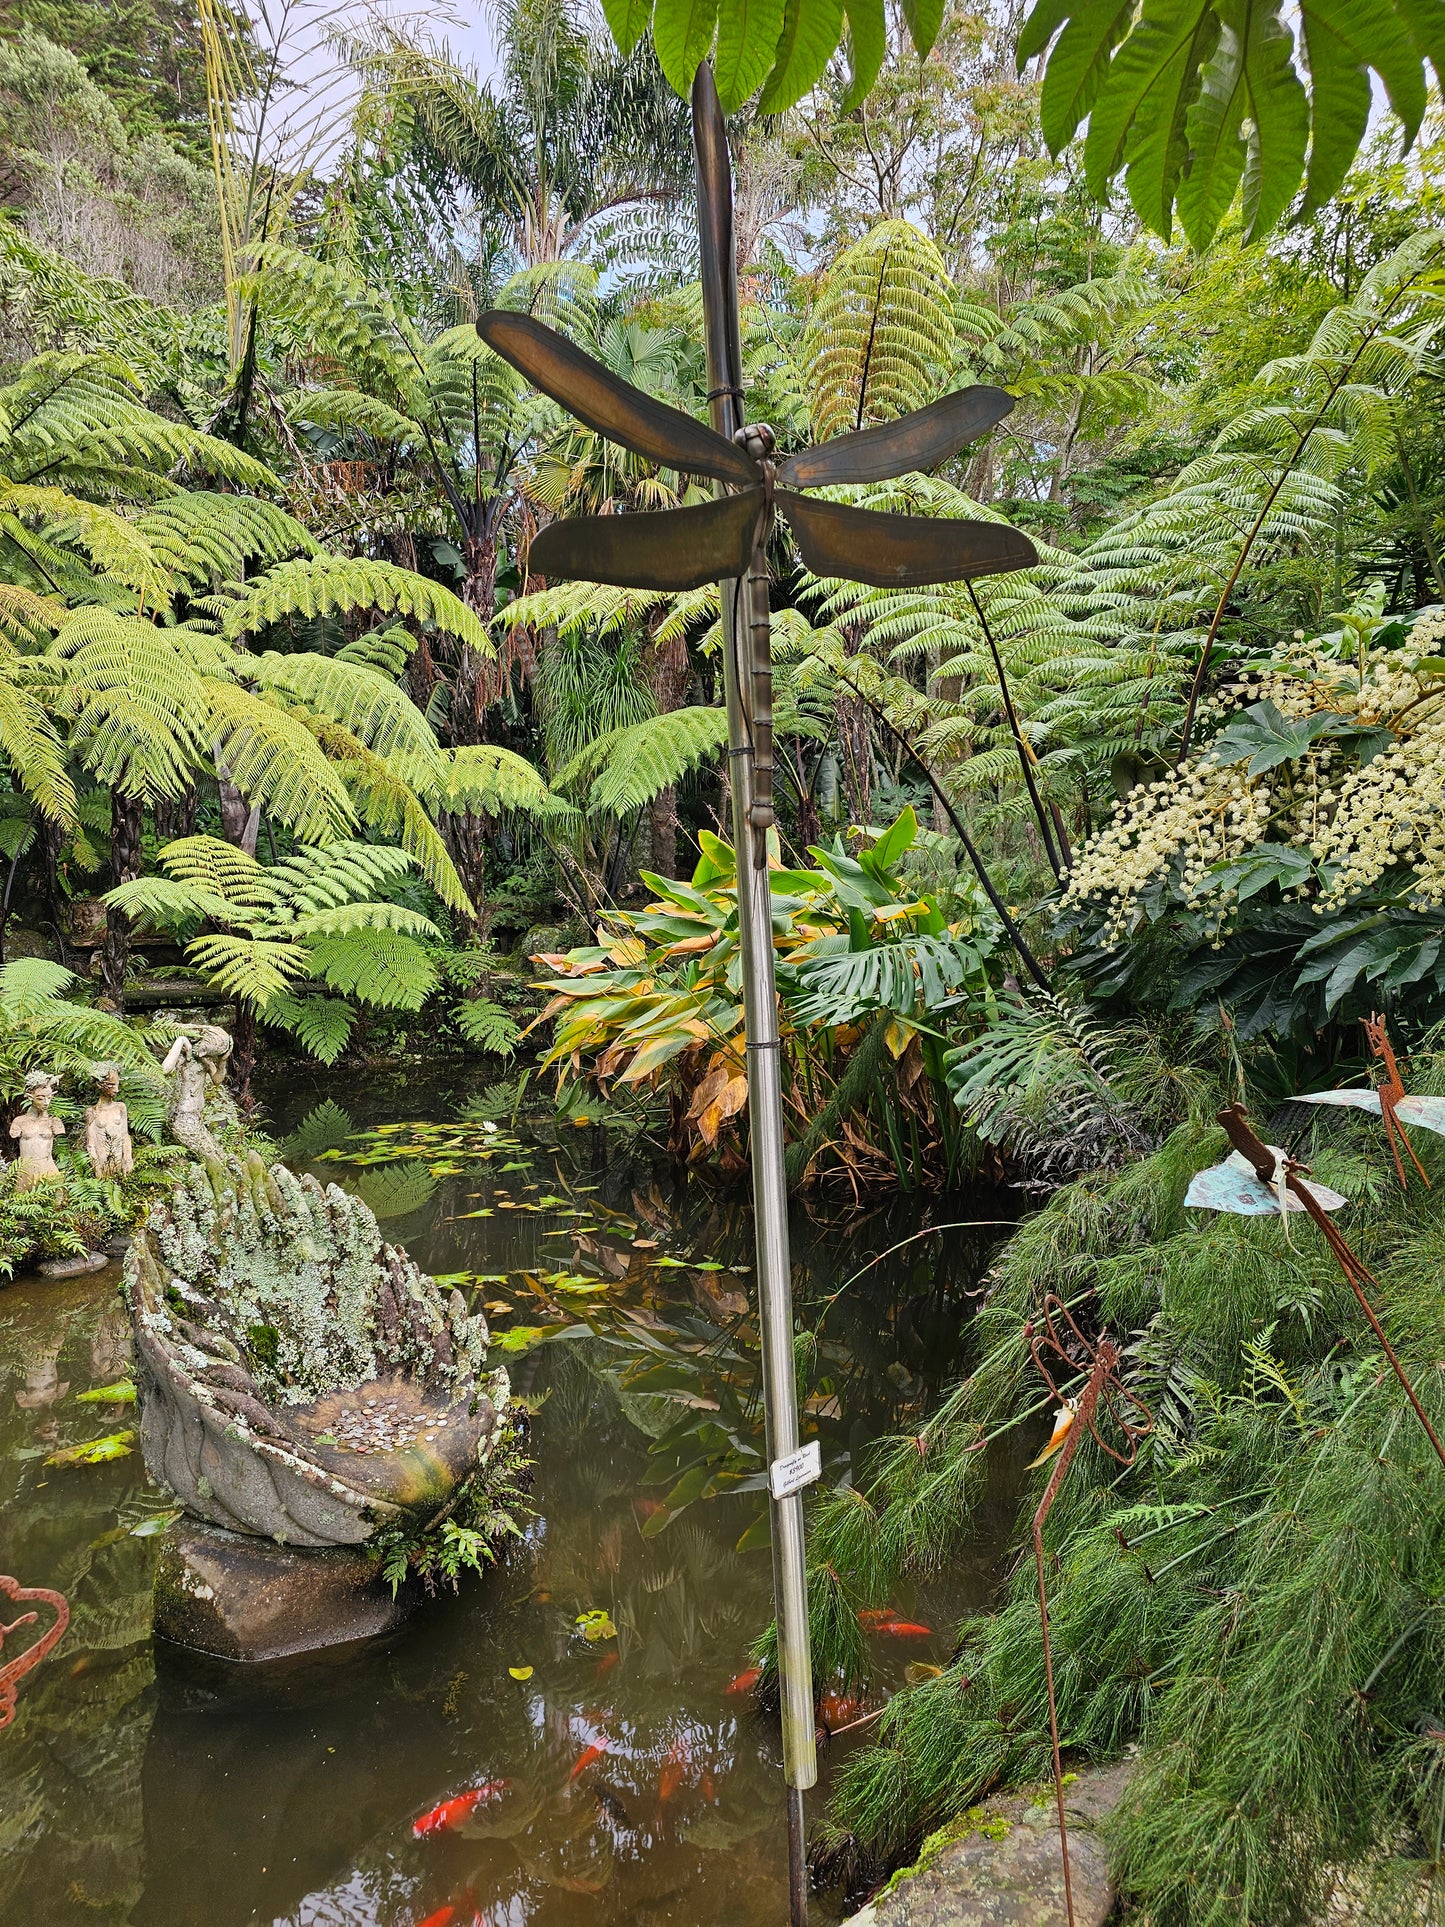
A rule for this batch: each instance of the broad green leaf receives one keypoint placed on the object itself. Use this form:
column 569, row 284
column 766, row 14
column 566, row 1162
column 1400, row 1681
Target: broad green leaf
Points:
column 682, row 32
column 1076, row 67
column 1378, row 35
column 1040, row 27
column 628, row 20
column 1164, row 32
column 1280, row 110
column 811, row 32
column 747, row 36
column 1157, row 148
column 900, row 835
column 924, row 18
column 1217, row 151
column 867, row 44
column 1426, row 21
column 1340, row 109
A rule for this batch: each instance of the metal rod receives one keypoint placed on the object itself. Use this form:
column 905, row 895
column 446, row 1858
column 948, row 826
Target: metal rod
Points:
column 745, row 650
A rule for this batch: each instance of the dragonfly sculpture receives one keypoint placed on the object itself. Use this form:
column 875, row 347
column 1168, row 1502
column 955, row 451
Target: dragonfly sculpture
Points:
column 683, row 548
column 1389, row 1102
column 1257, row 1177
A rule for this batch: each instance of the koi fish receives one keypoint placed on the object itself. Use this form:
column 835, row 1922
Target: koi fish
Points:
column 745, row 1681
column 606, row 1664
column 674, row 1770
column 441, row 1918
column 589, row 1758
column 646, row 1509
column 452, row 1812
column 906, row 1629
column 838, row 1708
column 709, row 1791
column 874, row 1618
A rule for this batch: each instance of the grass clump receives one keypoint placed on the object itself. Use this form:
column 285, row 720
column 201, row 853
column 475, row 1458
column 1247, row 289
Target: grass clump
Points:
column 1258, row 1602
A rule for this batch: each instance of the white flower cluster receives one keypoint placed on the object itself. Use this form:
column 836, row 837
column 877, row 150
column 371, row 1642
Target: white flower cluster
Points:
column 1361, row 821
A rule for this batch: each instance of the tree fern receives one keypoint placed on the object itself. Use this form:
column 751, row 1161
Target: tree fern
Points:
column 623, row 770
column 880, row 337
column 321, row 584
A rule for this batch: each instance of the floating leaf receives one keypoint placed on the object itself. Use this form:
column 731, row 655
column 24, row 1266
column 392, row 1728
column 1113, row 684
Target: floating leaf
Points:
column 122, row 1392
column 595, row 1624
column 153, row 1527
column 115, row 1445
column 919, row 1670
column 520, row 1672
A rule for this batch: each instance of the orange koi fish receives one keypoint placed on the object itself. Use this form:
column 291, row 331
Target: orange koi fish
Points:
column 874, row 1618
column 606, row 1664
column 838, row 1708
column 745, row 1681
column 452, row 1812
column 441, row 1918
column 906, row 1629
column 674, row 1770
column 589, row 1758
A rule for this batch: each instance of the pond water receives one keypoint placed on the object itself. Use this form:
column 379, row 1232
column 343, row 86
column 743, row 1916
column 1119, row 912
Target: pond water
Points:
column 628, row 1782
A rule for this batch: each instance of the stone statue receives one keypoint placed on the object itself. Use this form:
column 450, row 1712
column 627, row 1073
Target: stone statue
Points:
column 196, row 1064
column 107, row 1128
column 35, row 1131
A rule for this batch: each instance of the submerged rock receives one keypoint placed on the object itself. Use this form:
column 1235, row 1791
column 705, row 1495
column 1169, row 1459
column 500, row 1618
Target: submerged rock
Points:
column 299, row 1379
column 999, row 1865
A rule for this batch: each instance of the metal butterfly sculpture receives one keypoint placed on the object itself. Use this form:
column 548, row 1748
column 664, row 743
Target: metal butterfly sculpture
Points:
column 1389, row 1102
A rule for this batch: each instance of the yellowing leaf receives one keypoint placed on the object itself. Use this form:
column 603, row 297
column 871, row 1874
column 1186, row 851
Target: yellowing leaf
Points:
column 115, row 1445
column 595, row 1624
column 520, row 1672
column 122, row 1392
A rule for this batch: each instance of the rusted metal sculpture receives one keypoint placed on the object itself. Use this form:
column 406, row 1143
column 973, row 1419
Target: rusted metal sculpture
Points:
column 1389, row 1101
column 726, row 540
column 12, row 1671
column 1060, row 1337
column 1260, row 1178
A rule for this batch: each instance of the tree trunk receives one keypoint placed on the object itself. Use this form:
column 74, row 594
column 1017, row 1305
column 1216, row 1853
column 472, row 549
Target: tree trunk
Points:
column 52, row 841
column 243, row 1055
column 668, row 673
column 465, row 835
column 240, row 823
column 127, row 820
column 175, row 816
column 477, row 684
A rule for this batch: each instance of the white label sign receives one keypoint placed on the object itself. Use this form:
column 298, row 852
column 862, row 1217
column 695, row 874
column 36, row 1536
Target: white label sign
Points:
column 791, row 1474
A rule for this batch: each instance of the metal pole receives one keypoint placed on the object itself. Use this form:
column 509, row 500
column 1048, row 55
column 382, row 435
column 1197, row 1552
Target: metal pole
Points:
column 746, row 674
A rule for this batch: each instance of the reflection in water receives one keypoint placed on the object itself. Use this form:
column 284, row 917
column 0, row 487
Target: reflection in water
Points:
column 617, row 1779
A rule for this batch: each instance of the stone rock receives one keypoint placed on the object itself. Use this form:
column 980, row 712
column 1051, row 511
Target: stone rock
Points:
column 241, row 1598
column 999, row 1865
column 77, row 1267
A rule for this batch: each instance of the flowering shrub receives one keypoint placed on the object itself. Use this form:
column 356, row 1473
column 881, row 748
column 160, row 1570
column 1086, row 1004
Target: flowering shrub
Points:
column 1309, row 831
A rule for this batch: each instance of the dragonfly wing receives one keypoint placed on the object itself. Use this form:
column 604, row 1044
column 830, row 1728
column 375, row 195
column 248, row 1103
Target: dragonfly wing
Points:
column 664, row 549
column 605, row 402
column 918, row 441
column 1427, row 1112
column 1355, row 1100
column 1232, row 1186
column 900, row 551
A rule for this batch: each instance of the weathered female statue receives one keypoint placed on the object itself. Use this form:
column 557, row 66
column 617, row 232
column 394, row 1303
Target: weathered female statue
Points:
column 195, row 1063
column 35, row 1132
column 107, row 1128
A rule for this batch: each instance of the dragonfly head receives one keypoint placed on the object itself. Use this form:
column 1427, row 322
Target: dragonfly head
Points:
column 756, row 440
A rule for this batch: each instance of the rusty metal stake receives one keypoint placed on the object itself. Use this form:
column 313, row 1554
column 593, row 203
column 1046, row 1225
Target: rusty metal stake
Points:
column 1102, row 1384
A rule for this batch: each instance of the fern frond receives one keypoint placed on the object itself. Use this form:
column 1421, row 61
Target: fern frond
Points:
column 274, row 759
column 323, row 584
column 388, row 969
column 626, row 768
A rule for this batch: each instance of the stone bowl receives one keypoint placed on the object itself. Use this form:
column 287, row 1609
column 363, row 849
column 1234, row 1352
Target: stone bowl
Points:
column 299, row 1379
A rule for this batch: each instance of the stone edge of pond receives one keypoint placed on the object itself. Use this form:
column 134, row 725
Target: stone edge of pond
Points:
column 998, row 1865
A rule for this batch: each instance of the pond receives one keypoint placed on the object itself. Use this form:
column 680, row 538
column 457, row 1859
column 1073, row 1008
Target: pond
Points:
column 627, row 1778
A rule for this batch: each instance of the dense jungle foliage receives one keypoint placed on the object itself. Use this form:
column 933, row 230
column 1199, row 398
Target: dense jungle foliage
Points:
column 1065, row 859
